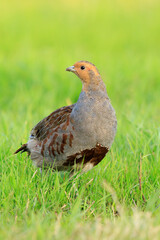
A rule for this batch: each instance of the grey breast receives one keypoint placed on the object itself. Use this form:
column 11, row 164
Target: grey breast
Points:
column 94, row 120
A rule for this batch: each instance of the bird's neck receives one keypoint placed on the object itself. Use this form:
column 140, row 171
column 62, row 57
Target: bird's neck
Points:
column 94, row 85
column 93, row 93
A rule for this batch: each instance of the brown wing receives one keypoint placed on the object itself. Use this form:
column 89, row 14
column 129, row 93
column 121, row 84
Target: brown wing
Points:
column 43, row 128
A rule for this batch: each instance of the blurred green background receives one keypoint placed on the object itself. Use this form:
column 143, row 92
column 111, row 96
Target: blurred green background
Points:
column 38, row 40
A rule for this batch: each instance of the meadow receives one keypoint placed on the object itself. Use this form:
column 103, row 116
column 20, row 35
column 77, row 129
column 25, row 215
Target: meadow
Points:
column 120, row 197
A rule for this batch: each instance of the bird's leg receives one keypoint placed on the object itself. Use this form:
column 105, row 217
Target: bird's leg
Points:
column 40, row 171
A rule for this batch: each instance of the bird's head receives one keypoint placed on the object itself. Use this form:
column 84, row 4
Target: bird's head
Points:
column 88, row 74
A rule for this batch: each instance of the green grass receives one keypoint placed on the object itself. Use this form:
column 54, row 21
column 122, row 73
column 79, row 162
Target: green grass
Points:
column 38, row 40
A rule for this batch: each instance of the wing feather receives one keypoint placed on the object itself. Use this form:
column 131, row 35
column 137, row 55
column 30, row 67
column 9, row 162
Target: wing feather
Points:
column 46, row 125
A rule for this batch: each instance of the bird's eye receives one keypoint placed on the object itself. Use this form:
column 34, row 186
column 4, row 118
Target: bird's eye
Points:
column 82, row 67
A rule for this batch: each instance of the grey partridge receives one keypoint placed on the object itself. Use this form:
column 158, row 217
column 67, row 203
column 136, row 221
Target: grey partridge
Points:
column 77, row 135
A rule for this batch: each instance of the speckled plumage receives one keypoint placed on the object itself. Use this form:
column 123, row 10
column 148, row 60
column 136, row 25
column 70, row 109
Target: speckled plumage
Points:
column 80, row 134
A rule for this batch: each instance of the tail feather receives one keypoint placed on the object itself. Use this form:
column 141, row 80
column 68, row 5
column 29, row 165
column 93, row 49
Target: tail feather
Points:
column 22, row 149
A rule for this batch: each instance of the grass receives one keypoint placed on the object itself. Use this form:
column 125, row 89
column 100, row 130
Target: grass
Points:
column 120, row 198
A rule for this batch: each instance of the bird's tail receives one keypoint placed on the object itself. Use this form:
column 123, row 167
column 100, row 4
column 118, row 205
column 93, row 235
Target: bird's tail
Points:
column 22, row 149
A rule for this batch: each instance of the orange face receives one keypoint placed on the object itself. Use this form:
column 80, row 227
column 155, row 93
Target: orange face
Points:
column 83, row 70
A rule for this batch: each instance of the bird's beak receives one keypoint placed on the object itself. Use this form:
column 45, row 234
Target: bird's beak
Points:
column 71, row 69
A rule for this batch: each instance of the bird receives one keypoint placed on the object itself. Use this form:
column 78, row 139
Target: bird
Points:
column 77, row 136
